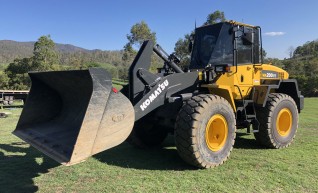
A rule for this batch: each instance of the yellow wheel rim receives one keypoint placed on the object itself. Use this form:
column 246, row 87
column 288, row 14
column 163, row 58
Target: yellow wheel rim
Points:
column 284, row 122
column 216, row 132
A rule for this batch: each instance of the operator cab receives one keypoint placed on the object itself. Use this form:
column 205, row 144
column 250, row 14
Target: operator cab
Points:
column 226, row 43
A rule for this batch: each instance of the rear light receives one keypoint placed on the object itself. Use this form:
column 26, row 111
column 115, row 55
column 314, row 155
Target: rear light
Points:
column 115, row 90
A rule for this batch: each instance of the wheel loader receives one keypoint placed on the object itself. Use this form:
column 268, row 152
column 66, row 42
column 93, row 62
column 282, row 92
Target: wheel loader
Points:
column 72, row 115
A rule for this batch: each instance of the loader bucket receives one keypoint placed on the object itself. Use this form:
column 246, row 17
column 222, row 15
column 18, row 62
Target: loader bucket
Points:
column 72, row 115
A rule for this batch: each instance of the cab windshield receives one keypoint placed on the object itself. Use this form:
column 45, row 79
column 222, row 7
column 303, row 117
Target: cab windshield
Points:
column 213, row 45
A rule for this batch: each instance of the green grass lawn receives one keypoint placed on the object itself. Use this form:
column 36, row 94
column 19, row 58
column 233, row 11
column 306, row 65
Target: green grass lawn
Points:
column 118, row 84
column 251, row 168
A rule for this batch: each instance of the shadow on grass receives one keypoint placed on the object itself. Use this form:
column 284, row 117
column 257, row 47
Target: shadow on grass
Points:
column 17, row 171
column 161, row 158
column 241, row 142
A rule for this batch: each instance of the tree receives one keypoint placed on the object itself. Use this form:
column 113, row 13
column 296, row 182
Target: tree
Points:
column 17, row 73
column 309, row 49
column 215, row 17
column 4, row 80
column 291, row 51
column 129, row 53
column 45, row 56
column 138, row 34
column 20, row 66
column 182, row 50
column 311, row 67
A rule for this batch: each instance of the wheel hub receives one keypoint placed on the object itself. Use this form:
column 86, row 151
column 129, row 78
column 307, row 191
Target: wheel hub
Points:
column 284, row 122
column 216, row 132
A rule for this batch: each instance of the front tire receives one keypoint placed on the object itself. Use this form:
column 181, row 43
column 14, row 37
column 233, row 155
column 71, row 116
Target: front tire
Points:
column 205, row 131
column 147, row 133
column 278, row 121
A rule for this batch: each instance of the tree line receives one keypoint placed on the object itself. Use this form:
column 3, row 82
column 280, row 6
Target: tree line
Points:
column 303, row 66
column 10, row 50
column 46, row 57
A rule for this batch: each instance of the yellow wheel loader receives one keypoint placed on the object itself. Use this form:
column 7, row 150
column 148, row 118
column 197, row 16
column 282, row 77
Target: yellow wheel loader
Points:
column 72, row 115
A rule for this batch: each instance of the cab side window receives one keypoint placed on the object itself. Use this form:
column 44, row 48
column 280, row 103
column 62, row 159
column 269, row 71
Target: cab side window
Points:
column 244, row 50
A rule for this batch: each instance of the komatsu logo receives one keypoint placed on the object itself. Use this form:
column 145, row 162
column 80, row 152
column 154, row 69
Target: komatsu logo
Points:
column 154, row 95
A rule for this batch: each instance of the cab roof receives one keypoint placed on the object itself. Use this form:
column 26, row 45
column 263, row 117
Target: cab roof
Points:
column 233, row 23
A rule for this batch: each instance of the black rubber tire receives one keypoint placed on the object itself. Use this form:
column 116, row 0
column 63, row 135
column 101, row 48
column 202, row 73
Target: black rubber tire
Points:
column 190, row 130
column 146, row 134
column 267, row 116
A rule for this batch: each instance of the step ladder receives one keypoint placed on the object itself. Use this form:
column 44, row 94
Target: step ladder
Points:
column 247, row 107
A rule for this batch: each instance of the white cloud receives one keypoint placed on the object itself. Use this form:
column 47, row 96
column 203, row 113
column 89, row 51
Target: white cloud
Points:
column 278, row 33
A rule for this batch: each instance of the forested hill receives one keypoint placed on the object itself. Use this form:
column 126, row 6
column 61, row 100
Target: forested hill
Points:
column 10, row 50
column 303, row 66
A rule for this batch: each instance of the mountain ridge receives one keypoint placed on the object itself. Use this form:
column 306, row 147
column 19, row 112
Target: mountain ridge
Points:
column 11, row 49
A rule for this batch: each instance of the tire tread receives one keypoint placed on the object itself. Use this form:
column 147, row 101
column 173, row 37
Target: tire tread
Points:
column 187, row 122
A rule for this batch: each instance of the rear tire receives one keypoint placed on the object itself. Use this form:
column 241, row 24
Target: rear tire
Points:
column 205, row 131
column 278, row 121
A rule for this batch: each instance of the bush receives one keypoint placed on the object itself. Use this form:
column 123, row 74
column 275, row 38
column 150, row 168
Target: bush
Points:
column 4, row 80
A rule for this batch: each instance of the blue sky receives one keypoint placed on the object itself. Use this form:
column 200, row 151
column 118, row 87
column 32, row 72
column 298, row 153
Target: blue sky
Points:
column 98, row 24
